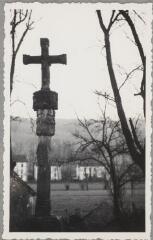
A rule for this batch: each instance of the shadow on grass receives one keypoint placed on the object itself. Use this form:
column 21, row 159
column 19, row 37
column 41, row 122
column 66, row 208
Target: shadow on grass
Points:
column 99, row 219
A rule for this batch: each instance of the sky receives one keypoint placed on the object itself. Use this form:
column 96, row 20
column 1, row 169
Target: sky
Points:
column 74, row 29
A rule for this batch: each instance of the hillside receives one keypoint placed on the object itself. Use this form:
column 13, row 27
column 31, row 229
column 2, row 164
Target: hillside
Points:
column 24, row 139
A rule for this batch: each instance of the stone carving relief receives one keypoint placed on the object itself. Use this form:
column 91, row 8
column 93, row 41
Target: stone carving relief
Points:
column 45, row 122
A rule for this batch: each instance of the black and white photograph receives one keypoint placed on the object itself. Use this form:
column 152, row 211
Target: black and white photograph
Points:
column 77, row 120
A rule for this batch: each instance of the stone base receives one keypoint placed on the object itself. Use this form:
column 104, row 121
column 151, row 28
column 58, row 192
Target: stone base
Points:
column 42, row 224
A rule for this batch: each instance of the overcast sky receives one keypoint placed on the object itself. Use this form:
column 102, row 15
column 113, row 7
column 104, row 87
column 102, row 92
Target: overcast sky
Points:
column 74, row 29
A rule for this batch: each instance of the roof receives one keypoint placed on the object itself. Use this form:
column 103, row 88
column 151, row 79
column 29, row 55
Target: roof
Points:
column 88, row 162
column 19, row 158
column 24, row 185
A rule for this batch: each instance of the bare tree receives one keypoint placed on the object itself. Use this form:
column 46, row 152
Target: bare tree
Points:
column 103, row 141
column 128, row 19
column 19, row 18
column 137, row 152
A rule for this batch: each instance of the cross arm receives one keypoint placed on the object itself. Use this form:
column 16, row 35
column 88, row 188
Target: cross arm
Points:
column 27, row 59
column 61, row 59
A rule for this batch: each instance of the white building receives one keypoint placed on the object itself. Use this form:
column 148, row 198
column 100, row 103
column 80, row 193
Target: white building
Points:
column 21, row 167
column 89, row 171
column 80, row 171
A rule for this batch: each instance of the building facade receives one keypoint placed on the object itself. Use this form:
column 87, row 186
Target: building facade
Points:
column 94, row 172
column 21, row 167
column 27, row 170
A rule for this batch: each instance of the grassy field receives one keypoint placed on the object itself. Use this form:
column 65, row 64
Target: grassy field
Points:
column 86, row 201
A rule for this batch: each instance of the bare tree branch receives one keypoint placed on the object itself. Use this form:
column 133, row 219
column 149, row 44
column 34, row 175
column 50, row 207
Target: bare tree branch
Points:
column 19, row 17
column 141, row 52
column 112, row 21
column 141, row 149
column 101, row 21
column 128, row 75
column 31, row 119
column 138, row 15
column 105, row 95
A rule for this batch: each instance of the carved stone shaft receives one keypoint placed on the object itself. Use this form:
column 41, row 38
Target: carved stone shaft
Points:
column 43, row 206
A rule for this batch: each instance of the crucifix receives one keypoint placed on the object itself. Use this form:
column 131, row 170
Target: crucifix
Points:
column 45, row 104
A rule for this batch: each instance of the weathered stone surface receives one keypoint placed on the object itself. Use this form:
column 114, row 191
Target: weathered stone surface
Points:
column 43, row 181
column 45, row 103
column 45, row 100
column 45, row 122
column 45, row 60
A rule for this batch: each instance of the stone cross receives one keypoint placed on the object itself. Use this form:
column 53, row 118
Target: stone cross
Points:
column 45, row 103
column 45, row 60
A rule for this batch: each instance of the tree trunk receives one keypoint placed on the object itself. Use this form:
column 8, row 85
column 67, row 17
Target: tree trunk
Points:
column 116, row 194
column 12, row 72
column 136, row 156
column 116, row 201
column 12, row 163
column 116, row 189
